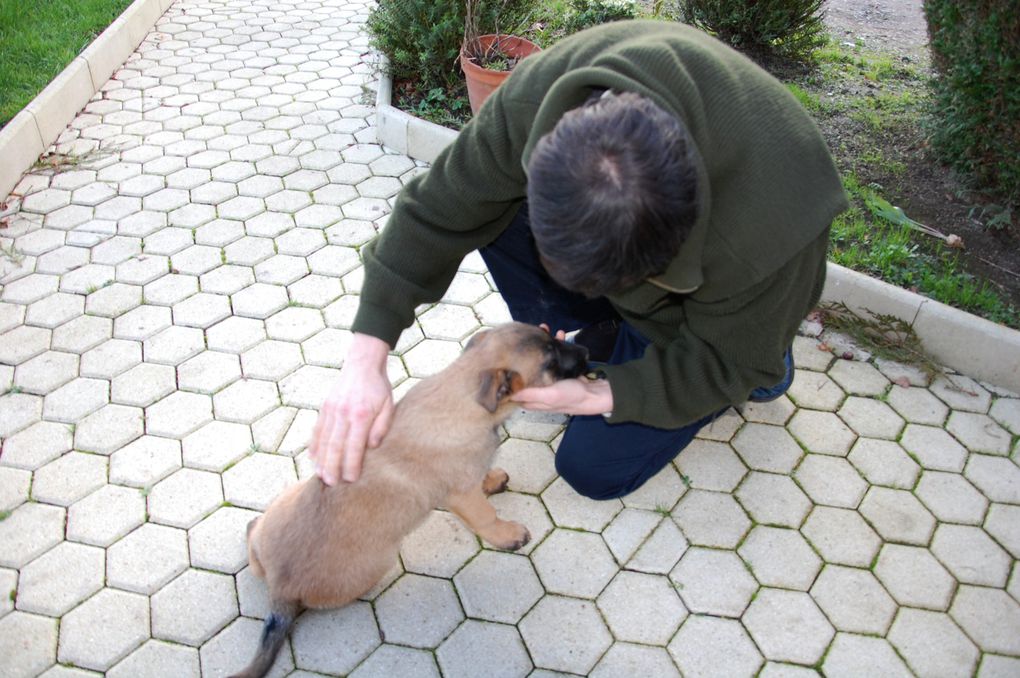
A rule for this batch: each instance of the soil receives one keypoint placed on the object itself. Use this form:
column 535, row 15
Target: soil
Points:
column 927, row 191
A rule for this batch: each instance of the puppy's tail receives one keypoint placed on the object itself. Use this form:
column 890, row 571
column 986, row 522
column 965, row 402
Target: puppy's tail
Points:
column 274, row 632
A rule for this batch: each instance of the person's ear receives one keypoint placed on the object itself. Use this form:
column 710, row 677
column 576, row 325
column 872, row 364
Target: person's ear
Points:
column 495, row 386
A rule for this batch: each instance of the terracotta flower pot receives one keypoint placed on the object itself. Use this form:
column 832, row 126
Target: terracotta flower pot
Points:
column 482, row 81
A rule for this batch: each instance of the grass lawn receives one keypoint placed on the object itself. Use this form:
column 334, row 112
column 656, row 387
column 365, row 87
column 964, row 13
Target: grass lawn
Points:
column 38, row 38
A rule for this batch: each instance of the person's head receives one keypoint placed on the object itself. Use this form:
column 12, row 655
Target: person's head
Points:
column 612, row 194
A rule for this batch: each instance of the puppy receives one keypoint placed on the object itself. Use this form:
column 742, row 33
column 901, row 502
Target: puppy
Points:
column 323, row 547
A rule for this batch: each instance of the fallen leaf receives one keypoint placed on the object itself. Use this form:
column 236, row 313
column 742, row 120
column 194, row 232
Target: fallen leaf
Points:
column 902, row 381
column 954, row 241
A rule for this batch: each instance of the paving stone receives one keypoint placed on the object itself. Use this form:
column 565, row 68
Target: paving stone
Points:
column 1006, row 411
column 327, row 348
column 147, row 559
column 235, row 334
column 831, row 481
column 994, row 666
column 918, row 405
column 234, row 646
column 141, row 323
column 110, row 358
column 530, row 464
column 260, row 300
column 715, row 582
column 932, row 644
column 193, row 607
column 780, row 670
column 898, row 516
column 853, row 600
column 185, row 497
column 779, row 557
column 418, row 611
column 178, row 414
column 707, row 646
column 216, row 446
column 660, row 492
column 36, row 445
column 962, row 393
column 430, row 356
column 155, row 657
column 498, row 587
column 996, row 477
column 990, row 617
column 54, row 310
column 979, row 433
column 773, row 499
column 227, row 279
column 884, row 462
column 208, row 372
column 565, row 634
column 776, row 412
column 69, row 478
column 871, row 418
column 816, row 391
column 23, row 343
column 281, row 269
column 124, row 618
column 28, row 644
column 314, row 648
column 60, row 579
column 1003, row 524
column 822, row 432
column 307, row 387
column 951, row 498
column 767, row 448
column 711, row 519
column 143, row 269
column 19, row 411
column 858, row 378
column 143, row 385
column 393, row 660
column 571, row 510
column 841, row 536
column 294, row 324
column 14, row 488
column 914, row 577
column 625, row 659
column 105, row 516
column 526, row 510
column 852, row 655
column 475, row 643
column 439, row 547
column 219, row 541
column 108, row 429
column 788, row 626
column 641, row 608
column 173, row 345
column 661, row 550
column 46, row 372
column 574, row 563
column 971, row 555
column 256, row 480
column 933, row 448
column 710, row 465
column 246, row 400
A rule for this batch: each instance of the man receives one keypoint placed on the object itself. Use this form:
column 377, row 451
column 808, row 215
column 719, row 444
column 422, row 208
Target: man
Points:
column 638, row 177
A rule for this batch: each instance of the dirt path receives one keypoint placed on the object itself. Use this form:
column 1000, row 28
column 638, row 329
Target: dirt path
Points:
column 896, row 26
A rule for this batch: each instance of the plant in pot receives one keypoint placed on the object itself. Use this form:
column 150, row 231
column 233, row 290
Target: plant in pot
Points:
column 488, row 58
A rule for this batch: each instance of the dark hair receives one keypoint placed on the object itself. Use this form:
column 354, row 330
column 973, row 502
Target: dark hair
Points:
column 612, row 194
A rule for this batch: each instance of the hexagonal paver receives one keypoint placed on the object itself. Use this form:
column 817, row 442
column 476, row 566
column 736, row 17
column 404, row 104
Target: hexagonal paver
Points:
column 779, row 557
column 852, row 655
column 208, row 372
column 75, row 400
column 69, row 478
column 971, row 555
column 108, row 429
column 661, row 550
column 708, row 646
column 822, row 432
column 711, row 519
column 997, row 478
column 193, row 607
column 246, row 400
column 767, row 448
column 155, row 656
column 1003, row 524
column 19, row 411
column 918, row 405
column 28, row 643
column 235, row 334
column 914, row 577
column 788, row 626
column 531, row 465
column 60, row 579
column 145, row 461
column 439, row 547
column 933, row 448
column 853, row 600
column 219, row 541
column 260, row 300
column 256, row 480
column 565, row 634
column 932, row 644
column 830, row 481
column 815, row 391
column 498, row 587
column 898, row 516
column 990, row 617
column 147, row 559
column 143, row 385
column 884, row 462
column 271, row 360
column 641, row 608
column 625, row 659
column 418, row 611
column 714, row 582
column 571, row 510
column 710, row 465
column 313, row 649
column 858, row 378
column 36, row 445
column 124, row 618
column 979, row 433
column 185, row 497
column 110, row 358
column 871, row 418
column 106, row 515
column 574, row 563
column 173, row 345
column 476, row 643
column 773, row 499
column 46, row 372
column 234, row 646
column 216, row 445
column 841, row 536
column 393, row 660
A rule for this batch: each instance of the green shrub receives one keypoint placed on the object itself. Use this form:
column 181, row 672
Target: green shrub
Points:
column 421, row 38
column 789, row 28
column 587, row 13
column 975, row 124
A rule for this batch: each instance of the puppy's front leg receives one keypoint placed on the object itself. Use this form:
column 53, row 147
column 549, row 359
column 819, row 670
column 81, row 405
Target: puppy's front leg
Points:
column 478, row 514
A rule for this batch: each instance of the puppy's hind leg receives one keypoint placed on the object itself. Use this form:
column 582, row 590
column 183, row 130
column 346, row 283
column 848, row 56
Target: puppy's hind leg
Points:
column 274, row 632
column 495, row 481
column 478, row 514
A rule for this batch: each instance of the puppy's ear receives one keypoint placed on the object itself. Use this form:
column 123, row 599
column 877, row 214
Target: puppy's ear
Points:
column 497, row 385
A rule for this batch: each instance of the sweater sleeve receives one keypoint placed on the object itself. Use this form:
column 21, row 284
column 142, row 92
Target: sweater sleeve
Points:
column 462, row 203
column 722, row 350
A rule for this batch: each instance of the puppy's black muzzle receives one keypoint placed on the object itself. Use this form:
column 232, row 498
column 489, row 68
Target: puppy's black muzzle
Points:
column 569, row 360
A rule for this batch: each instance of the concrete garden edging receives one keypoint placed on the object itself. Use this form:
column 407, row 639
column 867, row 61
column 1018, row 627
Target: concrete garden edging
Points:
column 34, row 128
column 960, row 340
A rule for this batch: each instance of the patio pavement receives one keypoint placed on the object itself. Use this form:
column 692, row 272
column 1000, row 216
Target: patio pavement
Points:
column 179, row 305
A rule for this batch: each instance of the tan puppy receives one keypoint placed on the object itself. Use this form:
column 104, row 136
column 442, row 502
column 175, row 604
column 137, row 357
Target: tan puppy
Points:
column 323, row 547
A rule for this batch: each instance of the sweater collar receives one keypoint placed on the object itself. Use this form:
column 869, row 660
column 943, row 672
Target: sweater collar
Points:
column 684, row 274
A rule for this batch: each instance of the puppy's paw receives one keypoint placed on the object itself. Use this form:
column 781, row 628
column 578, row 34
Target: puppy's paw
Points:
column 495, row 481
column 512, row 536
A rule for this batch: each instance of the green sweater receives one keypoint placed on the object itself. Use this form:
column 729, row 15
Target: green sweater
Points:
column 722, row 315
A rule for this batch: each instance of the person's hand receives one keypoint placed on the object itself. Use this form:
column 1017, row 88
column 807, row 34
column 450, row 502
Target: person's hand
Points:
column 356, row 414
column 569, row 396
